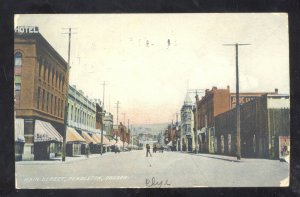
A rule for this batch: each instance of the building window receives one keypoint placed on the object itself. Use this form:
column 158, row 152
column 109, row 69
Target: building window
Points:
column 53, row 76
column 58, row 108
column 43, row 95
column 56, row 80
column 51, row 104
column 40, row 67
column 45, row 68
column 62, row 108
column 63, row 83
column 72, row 112
column 49, row 72
column 47, row 102
column 55, row 105
column 38, row 98
column 18, row 59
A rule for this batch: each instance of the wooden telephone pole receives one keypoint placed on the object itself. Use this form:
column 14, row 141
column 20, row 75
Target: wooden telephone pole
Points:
column 237, row 98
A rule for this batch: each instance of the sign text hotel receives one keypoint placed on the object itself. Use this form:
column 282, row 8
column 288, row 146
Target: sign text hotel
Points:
column 27, row 29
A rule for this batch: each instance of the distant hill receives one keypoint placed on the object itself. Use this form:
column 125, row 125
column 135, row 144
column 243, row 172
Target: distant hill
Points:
column 150, row 128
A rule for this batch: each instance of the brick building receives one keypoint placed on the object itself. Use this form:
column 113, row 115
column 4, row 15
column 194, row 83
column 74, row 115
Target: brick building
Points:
column 40, row 94
column 213, row 103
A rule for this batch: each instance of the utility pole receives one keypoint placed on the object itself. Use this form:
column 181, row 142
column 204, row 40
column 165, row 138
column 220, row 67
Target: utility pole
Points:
column 238, row 124
column 124, row 114
column 177, row 132
column 196, row 91
column 118, row 103
column 102, row 117
column 66, row 97
column 128, row 129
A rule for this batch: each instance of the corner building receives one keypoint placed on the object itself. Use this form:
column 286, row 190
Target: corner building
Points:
column 40, row 95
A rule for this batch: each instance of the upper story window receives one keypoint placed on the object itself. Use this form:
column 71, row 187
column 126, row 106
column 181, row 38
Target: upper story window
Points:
column 18, row 59
column 18, row 63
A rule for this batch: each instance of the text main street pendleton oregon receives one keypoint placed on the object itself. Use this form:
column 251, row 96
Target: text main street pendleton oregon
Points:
column 150, row 101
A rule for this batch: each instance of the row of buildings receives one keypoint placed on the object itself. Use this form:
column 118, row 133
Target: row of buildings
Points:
column 41, row 93
column 211, row 121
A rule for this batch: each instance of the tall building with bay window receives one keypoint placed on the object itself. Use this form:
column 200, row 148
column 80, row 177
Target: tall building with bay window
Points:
column 40, row 94
column 187, row 125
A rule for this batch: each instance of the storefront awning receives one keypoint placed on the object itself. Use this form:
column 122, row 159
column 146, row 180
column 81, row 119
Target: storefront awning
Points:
column 44, row 131
column 112, row 142
column 96, row 138
column 19, row 130
column 105, row 140
column 88, row 138
column 73, row 136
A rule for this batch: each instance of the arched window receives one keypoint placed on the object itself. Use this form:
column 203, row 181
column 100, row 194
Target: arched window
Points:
column 18, row 59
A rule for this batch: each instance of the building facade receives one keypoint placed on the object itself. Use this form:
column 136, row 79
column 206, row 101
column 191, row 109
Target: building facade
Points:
column 214, row 102
column 187, row 125
column 41, row 78
column 81, row 123
column 264, row 122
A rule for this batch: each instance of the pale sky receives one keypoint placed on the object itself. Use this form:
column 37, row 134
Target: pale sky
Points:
column 151, row 82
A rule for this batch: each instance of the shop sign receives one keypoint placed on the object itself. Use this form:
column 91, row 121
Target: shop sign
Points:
column 27, row 29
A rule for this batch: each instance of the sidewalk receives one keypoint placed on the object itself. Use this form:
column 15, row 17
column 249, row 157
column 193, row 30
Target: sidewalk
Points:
column 58, row 160
column 221, row 157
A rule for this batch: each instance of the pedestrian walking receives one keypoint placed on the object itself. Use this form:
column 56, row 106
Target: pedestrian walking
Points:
column 148, row 150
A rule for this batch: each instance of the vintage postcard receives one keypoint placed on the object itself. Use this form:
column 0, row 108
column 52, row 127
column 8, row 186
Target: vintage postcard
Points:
column 151, row 100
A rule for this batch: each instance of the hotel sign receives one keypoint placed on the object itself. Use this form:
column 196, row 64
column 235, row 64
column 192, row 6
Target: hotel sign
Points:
column 27, row 29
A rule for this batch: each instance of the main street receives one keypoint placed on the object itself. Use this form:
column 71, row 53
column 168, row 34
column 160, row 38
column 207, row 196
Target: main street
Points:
column 134, row 169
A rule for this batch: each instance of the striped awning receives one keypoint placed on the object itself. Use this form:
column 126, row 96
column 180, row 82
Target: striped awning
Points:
column 73, row 136
column 105, row 140
column 96, row 138
column 112, row 142
column 88, row 138
column 119, row 143
column 44, row 131
column 19, row 130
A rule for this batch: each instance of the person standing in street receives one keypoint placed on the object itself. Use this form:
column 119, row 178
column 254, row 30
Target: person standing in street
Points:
column 148, row 150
